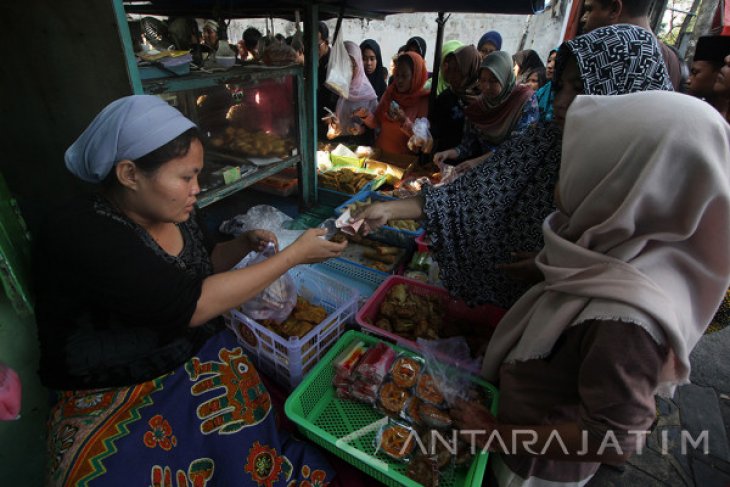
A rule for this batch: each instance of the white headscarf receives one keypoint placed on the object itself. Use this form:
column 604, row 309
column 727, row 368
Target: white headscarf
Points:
column 127, row 128
column 643, row 234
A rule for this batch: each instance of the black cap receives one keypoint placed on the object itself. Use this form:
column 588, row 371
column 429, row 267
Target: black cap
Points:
column 324, row 30
column 712, row 49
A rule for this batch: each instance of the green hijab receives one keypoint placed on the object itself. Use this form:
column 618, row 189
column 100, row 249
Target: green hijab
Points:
column 500, row 64
column 446, row 49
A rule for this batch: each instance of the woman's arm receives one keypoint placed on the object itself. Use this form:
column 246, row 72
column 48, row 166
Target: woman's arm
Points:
column 378, row 214
column 227, row 254
column 227, row 290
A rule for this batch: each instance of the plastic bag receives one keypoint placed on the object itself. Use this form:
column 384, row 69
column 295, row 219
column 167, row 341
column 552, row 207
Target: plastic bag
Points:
column 277, row 301
column 339, row 68
column 421, row 140
column 10, row 394
column 456, row 351
column 262, row 217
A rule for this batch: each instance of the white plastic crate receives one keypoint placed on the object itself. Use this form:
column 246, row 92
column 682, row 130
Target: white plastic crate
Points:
column 287, row 361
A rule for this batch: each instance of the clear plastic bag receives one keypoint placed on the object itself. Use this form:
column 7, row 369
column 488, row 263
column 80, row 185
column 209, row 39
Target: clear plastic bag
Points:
column 421, row 140
column 339, row 68
column 456, row 350
column 263, row 217
column 277, row 301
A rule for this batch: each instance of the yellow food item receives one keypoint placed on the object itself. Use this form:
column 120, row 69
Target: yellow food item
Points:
column 303, row 318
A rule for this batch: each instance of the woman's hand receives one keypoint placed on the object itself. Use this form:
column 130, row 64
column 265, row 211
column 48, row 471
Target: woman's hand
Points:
column 309, row 248
column 440, row 157
column 470, row 417
column 375, row 216
column 257, row 240
column 523, row 268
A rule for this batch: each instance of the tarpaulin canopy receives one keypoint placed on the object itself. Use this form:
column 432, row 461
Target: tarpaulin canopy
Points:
column 328, row 9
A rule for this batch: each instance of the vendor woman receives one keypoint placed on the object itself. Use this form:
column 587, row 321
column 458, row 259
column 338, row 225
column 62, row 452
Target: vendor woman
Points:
column 129, row 295
column 411, row 102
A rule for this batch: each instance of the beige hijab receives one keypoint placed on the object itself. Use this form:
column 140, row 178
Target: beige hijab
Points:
column 643, row 233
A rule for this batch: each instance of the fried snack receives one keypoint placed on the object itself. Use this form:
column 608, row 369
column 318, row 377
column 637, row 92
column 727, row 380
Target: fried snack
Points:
column 396, row 442
column 373, row 254
column 259, row 143
column 303, row 318
column 413, row 411
column 344, row 180
column 427, row 391
column 379, row 266
column 410, row 225
column 405, row 372
column 392, row 397
column 411, row 315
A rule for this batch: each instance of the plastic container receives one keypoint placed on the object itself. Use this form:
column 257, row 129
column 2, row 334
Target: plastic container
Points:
column 287, row 361
column 423, row 243
column 387, row 234
column 152, row 72
column 455, row 309
column 348, row 428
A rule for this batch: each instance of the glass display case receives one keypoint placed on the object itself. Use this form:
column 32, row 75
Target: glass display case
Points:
column 249, row 117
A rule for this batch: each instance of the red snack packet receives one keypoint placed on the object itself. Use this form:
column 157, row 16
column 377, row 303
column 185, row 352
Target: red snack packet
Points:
column 375, row 364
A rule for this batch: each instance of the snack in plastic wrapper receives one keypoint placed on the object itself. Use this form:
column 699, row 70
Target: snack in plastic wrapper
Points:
column 427, row 391
column 375, row 364
column 405, row 371
column 411, row 412
column 396, row 440
column 392, row 398
column 348, row 359
column 343, row 392
column 362, row 392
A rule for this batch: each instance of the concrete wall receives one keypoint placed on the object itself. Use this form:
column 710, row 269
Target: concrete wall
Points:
column 395, row 30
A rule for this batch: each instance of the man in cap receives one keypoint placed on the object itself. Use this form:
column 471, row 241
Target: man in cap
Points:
column 706, row 65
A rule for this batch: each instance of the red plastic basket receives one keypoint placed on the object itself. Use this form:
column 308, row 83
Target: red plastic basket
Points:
column 484, row 315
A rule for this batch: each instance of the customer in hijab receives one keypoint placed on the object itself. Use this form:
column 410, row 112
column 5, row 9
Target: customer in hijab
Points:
column 535, row 78
column 128, row 314
column 545, row 94
column 404, row 101
column 524, row 61
column 489, row 43
column 348, row 127
column 477, row 222
column 446, row 49
column 373, row 63
column 460, row 70
column 635, row 264
column 417, row 45
column 393, row 61
column 503, row 110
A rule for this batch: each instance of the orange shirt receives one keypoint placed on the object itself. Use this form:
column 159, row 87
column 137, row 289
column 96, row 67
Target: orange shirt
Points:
column 392, row 138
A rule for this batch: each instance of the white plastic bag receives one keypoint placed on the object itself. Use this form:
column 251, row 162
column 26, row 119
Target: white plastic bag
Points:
column 339, row 68
column 421, row 140
column 277, row 301
column 262, row 217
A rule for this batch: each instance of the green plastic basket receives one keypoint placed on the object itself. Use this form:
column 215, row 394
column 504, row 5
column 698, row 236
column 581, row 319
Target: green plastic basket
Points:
column 347, row 428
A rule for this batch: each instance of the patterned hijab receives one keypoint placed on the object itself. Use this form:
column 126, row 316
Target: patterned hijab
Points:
column 629, row 243
column 615, row 59
column 496, row 117
column 497, row 208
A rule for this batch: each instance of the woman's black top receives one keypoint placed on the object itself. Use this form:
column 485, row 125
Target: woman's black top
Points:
column 112, row 307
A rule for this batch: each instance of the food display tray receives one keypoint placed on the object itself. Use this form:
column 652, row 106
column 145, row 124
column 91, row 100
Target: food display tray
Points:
column 454, row 309
column 288, row 360
column 348, row 428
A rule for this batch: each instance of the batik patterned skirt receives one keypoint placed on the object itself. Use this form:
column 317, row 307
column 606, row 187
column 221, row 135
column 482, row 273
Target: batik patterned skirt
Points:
column 210, row 422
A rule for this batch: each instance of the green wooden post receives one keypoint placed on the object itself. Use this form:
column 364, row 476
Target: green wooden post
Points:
column 308, row 94
column 126, row 37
